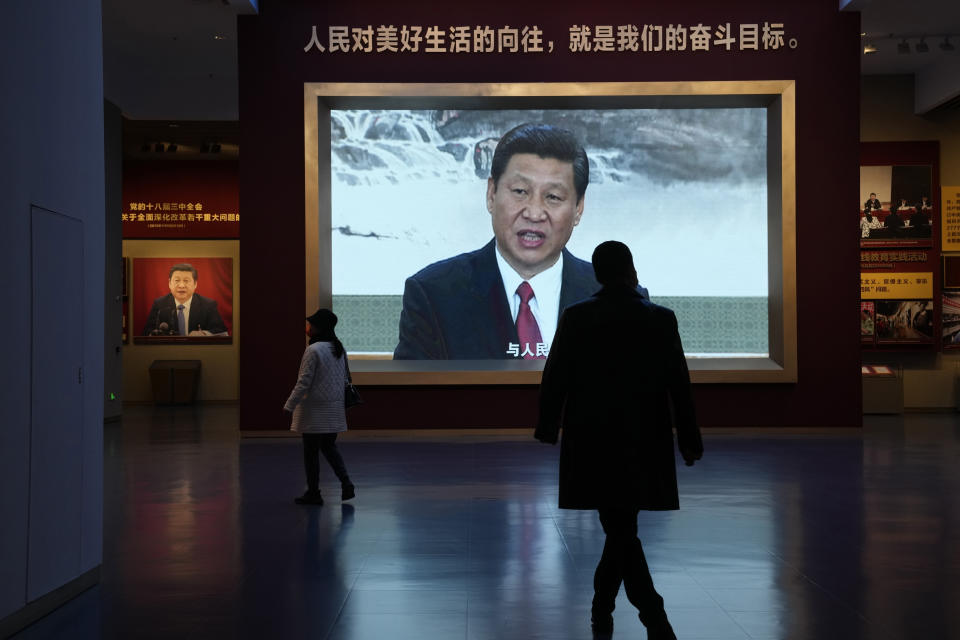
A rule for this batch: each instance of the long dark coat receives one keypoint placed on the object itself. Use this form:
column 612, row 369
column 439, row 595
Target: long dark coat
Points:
column 615, row 374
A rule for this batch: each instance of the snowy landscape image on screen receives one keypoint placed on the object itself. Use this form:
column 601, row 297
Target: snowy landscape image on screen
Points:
column 685, row 189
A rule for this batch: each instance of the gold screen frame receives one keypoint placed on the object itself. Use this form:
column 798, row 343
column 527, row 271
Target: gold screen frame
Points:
column 779, row 98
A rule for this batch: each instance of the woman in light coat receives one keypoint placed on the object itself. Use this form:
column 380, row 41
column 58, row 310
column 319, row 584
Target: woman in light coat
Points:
column 316, row 403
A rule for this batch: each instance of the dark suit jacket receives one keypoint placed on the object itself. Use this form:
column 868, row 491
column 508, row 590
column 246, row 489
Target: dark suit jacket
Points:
column 872, row 205
column 919, row 219
column 457, row 309
column 893, row 220
column 203, row 315
column 615, row 373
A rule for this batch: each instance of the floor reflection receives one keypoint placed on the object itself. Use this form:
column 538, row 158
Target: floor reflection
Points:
column 848, row 534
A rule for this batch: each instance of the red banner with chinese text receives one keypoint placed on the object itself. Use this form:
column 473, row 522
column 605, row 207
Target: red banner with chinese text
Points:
column 174, row 199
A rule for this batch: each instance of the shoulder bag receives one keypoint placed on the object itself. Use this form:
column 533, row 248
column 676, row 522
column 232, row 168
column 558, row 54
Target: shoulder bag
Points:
column 351, row 396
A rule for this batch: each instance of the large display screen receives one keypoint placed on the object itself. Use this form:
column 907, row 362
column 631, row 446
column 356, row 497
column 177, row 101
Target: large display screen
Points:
column 685, row 188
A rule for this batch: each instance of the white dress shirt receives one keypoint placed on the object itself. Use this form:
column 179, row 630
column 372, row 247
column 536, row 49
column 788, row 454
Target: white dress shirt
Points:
column 545, row 303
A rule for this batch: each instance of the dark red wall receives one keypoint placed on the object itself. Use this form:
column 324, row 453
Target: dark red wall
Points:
column 825, row 66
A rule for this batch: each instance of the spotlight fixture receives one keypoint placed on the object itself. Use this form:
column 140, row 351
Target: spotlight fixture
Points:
column 945, row 45
column 922, row 47
column 158, row 147
column 172, row 147
column 869, row 48
column 903, row 47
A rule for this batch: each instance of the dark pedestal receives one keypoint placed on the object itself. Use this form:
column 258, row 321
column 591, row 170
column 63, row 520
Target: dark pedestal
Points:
column 882, row 389
column 175, row 381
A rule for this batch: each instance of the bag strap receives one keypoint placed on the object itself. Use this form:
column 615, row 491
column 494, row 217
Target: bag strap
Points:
column 346, row 363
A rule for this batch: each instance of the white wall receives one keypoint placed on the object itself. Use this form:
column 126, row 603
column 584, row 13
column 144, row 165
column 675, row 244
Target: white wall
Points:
column 52, row 149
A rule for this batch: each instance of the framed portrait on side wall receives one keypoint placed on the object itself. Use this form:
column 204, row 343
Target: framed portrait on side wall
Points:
column 124, row 301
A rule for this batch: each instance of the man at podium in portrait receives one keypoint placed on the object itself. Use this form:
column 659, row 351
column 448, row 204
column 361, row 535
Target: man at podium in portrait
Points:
column 872, row 204
column 183, row 312
column 502, row 301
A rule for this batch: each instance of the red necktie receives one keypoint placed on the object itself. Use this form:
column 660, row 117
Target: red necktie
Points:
column 527, row 329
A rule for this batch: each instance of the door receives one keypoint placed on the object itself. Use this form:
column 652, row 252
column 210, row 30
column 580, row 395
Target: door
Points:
column 56, row 436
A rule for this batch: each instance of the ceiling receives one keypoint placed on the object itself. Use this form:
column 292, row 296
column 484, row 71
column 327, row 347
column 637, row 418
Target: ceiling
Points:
column 176, row 60
column 172, row 59
column 885, row 23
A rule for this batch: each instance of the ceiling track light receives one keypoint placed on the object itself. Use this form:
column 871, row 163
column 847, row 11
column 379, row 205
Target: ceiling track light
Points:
column 869, row 42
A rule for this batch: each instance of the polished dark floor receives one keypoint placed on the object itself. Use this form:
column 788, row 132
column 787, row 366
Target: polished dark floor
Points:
column 846, row 534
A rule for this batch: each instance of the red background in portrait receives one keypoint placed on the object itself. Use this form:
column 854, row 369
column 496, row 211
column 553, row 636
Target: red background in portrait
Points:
column 151, row 275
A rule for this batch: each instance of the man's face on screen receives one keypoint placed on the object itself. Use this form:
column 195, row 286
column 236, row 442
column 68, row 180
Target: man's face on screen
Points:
column 534, row 209
column 182, row 285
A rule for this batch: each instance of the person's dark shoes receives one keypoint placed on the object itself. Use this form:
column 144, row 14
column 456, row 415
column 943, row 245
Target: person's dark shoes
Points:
column 661, row 632
column 309, row 497
column 348, row 491
column 601, row 625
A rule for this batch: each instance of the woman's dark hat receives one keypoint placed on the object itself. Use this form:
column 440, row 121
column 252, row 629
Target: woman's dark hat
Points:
column 323, row 318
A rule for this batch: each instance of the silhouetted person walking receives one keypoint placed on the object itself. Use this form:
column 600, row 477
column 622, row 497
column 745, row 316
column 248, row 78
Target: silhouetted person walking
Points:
column 615, row 374
column 316, row 403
